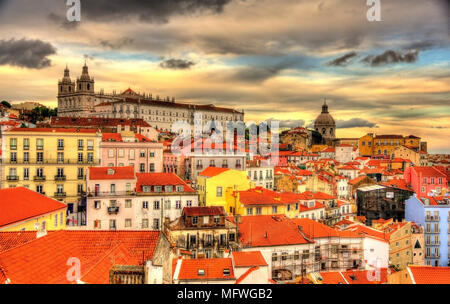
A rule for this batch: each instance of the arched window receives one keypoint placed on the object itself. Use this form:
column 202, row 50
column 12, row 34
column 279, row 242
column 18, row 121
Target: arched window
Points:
column 324, row 131
column 70, row 89
column 79, row 87
column 331, row 131
column 89, row 86
column 61, row 88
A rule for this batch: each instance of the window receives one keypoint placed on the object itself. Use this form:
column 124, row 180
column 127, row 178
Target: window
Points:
column 152, row 167
column 111, row 153
column 142, row 168
column 80, row 144
column 112, row 224
column 142, row 154
column 177, row 204
column 188, row 203
column 26, row 143
column 40, row 157
column 180, row 188
column 167, row 205
column 156, row 205
column 127, row 203
column 80, row 173
column 13, row 157
column 13, row 143
column 39, row 144
column 274, row 210
column 144, row 223
column 112, row 188
column 152, row 154
column 194, row 220
column 97, row 204
column 156, row 224
column 274, row 257
column 127, row 223
column 80, row 157
column 131, row 155
column 258, row 210
column 121, row 153
column 249, row 211
column 219, row 191
column 90, row 157
column 90, row 145
column 26, row 173
column 144, row 205
column 60, row 144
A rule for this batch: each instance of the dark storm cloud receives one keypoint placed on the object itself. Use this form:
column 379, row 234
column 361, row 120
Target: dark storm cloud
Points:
column 62, row 21
column 290, row 123
column 154, row 11
column 392, row 57
column 343, row 60
column 117, row 45
column 354, row 123
column 177, row 64
column 256, row 74
column 26, row 53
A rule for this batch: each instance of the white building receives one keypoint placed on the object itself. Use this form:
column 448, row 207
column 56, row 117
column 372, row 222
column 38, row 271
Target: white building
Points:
column 261, row 175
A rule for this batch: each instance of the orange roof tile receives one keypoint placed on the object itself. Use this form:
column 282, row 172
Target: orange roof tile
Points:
column 248, row 258
column 19, row 204
column 160, row 179
column 269, row 230
column 107, row 173
column 213, row 171
column 430, row 275
column 213, row 269
column 44, row 260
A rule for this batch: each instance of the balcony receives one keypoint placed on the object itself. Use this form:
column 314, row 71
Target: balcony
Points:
column 39, row 178
column 60, row 148
column 80, row 148
column 109, row 193
column 60, row 177
column 432, row 218
column 113, row 210
column 60, row 194
column 12, row 178
column 26, row 147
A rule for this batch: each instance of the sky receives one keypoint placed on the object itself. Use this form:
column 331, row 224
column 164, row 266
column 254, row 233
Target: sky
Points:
column 276, row 60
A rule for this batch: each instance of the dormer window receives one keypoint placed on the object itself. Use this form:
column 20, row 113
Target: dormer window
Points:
column 146, row 189
column 111, row 171
column 169, row 189
column 158, row 189
column 201, row 272
column 179, row 188
column 226, row 272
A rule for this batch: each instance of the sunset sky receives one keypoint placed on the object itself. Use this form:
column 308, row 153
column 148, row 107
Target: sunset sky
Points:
column 273, row 59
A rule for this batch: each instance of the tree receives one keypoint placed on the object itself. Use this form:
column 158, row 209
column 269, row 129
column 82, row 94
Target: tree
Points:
column 6, row 104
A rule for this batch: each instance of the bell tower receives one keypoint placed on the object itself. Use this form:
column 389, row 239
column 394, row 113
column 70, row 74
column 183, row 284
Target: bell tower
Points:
column 66, row 86
column 85, row 84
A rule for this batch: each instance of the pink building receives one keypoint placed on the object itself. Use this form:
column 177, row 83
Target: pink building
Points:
column 424, row 180
column 119, row 199
column 130, row 149
column 173, row 163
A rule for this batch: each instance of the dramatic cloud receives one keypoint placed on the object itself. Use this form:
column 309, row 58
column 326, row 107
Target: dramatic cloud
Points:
column 290, row 123
column 391, row 57
column 343, row 60
column 156, row 11
column 62, row 21
column 26, row 53
column 354, row 123
column 118, row 44
column 176, row 64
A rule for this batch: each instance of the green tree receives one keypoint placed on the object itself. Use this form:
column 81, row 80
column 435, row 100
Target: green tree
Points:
column 6, row 104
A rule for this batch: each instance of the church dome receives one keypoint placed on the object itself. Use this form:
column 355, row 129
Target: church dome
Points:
column 325, row 118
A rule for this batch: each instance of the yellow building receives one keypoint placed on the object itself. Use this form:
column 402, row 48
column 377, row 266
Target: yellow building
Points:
column 418, row 158
column 24, row 210
column 371, row 144
column 212, row 184
column 51, row 161
column 256, row 201
column 318, row 183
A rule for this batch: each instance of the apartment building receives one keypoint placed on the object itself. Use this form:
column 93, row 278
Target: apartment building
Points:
column 51, row 161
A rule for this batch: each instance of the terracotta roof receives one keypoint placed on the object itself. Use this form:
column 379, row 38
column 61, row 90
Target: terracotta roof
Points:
column 248, row 258
column 201, row 211
column 332, row 277
column 54, row 130
column 106, row 173
column 269, row 230
column 428, row 172
column 44, row 260
column 96, row 122
column 160, row 179
column 213, row 269
column 364, row 230
column 213, row 171
column 430, row 275
column 9, row 240
column 19, row 204
column 397, row 183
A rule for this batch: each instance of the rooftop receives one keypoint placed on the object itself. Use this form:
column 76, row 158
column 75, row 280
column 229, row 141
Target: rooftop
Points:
column 107, row 173
column 19, row 204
